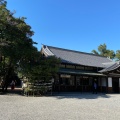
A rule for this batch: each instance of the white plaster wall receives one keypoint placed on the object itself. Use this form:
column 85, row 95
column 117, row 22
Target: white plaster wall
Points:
column 103, row 80
column 109, row 82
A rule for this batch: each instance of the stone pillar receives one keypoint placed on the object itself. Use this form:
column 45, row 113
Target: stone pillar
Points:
column 110, row 84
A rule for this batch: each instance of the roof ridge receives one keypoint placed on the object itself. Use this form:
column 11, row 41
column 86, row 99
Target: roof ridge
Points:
column 76, row 51
column 110, row 68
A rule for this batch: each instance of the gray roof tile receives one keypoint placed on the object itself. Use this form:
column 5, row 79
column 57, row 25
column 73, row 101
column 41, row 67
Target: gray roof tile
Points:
column 110, row 68
column 76, row 57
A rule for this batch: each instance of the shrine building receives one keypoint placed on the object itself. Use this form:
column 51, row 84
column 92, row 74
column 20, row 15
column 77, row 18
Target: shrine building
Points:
column 78, row 71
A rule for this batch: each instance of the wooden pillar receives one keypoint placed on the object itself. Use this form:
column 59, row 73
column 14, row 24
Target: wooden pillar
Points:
column 59, row 83
column 106, row 85
column 119, row 85
column 82, row 85
column 75, row 85
column 100, row 84
column 65, row 65
column 75, row 67
column 110, row 85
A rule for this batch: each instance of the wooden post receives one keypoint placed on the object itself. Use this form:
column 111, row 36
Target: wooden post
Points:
column 75, row 83
column 82, row 84
column 106, row 85
column 119, row 85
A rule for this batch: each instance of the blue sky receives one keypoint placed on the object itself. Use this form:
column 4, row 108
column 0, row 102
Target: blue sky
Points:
column 80, row 25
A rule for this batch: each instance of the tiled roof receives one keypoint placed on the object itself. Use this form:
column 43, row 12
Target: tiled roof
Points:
column 110, row 68
column 76, row 57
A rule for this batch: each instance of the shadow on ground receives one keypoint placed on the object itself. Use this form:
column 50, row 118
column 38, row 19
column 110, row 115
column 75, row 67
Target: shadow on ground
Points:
column 78, row 95
column 16, row 91
column 61, row 95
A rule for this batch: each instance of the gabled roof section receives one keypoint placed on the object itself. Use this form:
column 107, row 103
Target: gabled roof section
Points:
column 111, row 68
column 76, row 57
column 46, row 51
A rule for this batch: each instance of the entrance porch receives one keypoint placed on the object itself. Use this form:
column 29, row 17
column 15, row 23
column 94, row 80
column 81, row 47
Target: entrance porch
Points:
column 82, row 83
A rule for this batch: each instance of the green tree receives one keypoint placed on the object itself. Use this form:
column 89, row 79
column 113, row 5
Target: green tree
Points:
column 117, row 55
column 103, row 51
column 40, row 73
column 16, row 43
column 18, row 52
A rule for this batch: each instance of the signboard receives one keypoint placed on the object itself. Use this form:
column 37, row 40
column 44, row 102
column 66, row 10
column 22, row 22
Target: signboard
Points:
column 65, row 76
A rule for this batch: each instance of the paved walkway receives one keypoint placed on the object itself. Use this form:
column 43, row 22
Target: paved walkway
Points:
column 72, row 106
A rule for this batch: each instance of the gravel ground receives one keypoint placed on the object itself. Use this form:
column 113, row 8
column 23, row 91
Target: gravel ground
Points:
column 72, row 106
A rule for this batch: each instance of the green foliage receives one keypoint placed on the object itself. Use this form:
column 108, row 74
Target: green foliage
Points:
column 43, row 68
column 40, row 73
column 95, row 52
column 15, row 41
column 16, row 46
column 110, row 53
column 117, row 55
column 15, row 36
column 103, row 51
